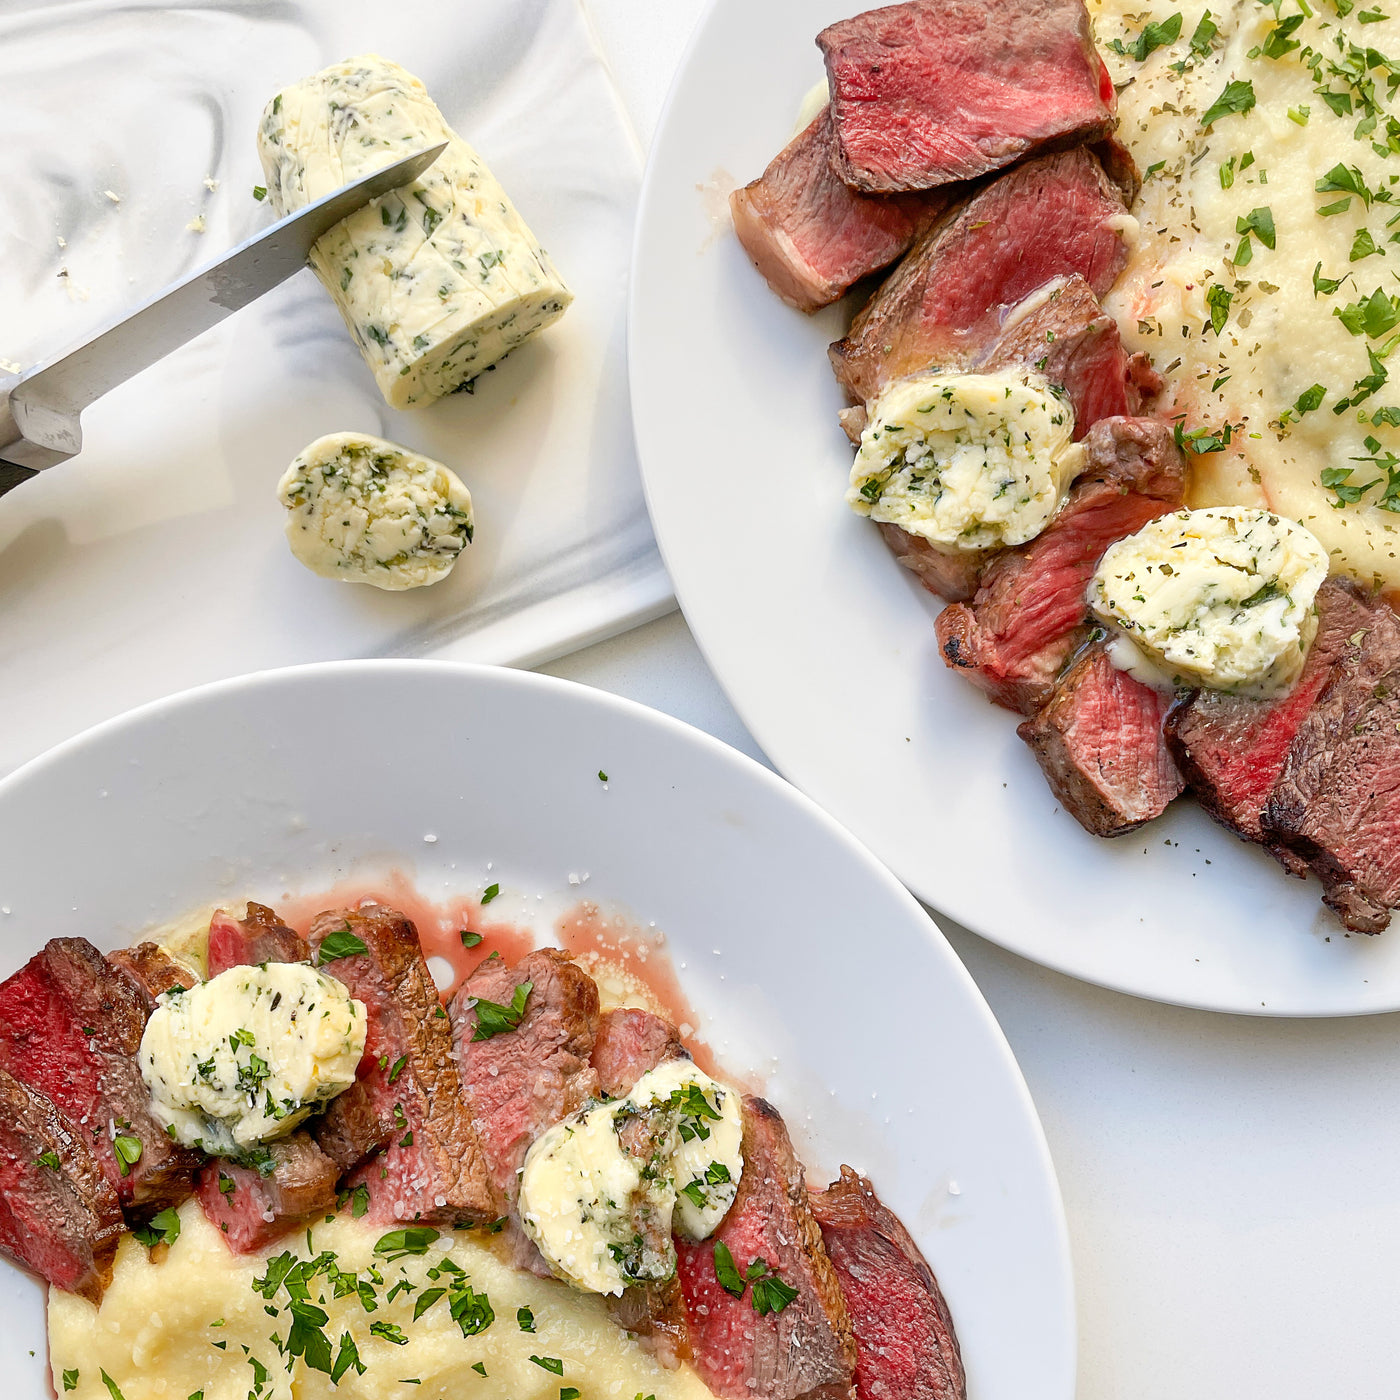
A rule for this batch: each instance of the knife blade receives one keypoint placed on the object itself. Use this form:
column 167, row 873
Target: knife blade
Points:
column 40, row 409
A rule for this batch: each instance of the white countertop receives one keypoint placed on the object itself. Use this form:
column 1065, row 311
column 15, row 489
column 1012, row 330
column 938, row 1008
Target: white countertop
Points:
column 1231, row 1183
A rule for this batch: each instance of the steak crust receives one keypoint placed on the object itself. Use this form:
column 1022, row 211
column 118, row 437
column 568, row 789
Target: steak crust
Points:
column 252, row 1208
column 807, row 1349
column 259, row 937
column 151, row 970
column 906, row 1348
column 434, row 1169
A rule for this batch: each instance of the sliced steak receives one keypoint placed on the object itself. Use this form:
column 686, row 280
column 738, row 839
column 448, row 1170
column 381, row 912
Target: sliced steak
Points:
column 151, row 970
column 1029, row 614
column 811, row 235
column 807, row 1349
column 1062, row 332
column 433, row 1169
column 1336, row 804
column 59, row 1215
column 1056, row 216
column 70, row 1027
column 1231, row 750
column 939, row 90
column 953, row 574
column 520, row 1082
column 253, row 1208
column 630, row 1043
column 259, row 937
column 906, row 1348
column 1099, row 742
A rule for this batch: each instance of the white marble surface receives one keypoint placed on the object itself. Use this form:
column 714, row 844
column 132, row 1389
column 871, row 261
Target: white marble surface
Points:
column 1231, row 1183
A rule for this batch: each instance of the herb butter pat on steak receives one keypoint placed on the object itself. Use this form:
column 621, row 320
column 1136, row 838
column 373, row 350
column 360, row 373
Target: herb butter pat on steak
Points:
column 436, row 281
column 363, row 510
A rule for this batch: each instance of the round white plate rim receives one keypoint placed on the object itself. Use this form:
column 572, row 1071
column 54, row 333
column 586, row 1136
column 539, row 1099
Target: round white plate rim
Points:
column 1041, row 1165
column 788, row 755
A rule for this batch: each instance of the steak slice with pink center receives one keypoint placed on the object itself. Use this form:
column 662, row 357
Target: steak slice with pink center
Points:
column 252, row 1207
column 1056, row 216
column 1099, row 742
column 906, row 1348
column 259, row 937
column 433, row 1170
column 1029, row 614
column 1231, row 750
column 811, row 235
column 70, row 1027
column 59, row 1215
column 934, row 91
column 808, row 1347
column 1336, row 804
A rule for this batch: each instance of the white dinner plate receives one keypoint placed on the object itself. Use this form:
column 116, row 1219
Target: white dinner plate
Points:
column 808, row 965
column 826, row 646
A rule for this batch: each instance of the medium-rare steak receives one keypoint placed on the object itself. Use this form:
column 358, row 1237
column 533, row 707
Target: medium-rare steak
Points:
column 151, row 970
column 807, row 1348
column 1231, row 749
column 1336, row 804
column 259, row 937
column 1056, row 216
column 1029, row 613
column 630, row 1043
column 1099, row 742
column 1062, row 332
column 433, row 1170
column 940, row 90
column 254, row 1205
column 521, row 1081
column 811, row 235
column 906, row 1348
column 58, row 1212
column 70, row 1027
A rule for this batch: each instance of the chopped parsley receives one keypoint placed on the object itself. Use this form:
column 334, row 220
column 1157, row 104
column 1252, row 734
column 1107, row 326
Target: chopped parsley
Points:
column 1237, row 97
column 111, row 1386
column 549, row 1363
column 493, row 1018
column 340, row 944
column 389, row 1332
column 128, row 1150
column 398, row 1244
column 70, row 1380
column 525, row 1319
column 489, row 893
column 48, row 1159
column 260, row 193
column 470, row 939
column 1152, row 38
column 161, row 1229
column 1218, row 299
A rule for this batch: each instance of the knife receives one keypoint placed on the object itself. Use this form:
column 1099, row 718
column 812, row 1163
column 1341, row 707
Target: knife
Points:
column 39, row 409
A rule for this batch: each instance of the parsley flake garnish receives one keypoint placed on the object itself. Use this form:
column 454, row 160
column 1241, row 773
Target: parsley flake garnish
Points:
column 470, row 939
column 128, row 1150
column 340, row 944
column 70, row 1380
column 549, row 1363
column 162, row 1229
column 493, row 1018
column 489, row 893
column 1237, row 97
column 414, row 1239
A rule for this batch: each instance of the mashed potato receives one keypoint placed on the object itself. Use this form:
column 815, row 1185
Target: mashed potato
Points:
column 1221, row 287
column 194, row 1322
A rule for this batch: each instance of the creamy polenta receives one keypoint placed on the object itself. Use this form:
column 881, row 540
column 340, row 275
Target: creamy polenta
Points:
column 1264, row 271
column 200, row 1320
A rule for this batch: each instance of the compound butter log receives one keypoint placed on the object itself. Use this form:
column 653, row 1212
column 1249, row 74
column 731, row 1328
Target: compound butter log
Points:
column 436, row 281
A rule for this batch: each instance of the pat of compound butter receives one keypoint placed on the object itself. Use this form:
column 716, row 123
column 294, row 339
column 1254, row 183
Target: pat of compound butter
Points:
column 581, row 1187
column 966, row 461
column 242, row 1059
column 193, row 1319
column 363, row 510
column 1221, row 597
column 436, row 281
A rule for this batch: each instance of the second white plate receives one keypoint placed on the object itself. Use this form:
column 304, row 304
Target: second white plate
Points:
column 826, row 647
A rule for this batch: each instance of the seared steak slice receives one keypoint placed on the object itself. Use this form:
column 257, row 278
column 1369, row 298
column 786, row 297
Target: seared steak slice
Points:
column 630, row 1043
column 1029, row 613
column 906, row 1348
column 1231, row 749
column 151, row 970
column 1056, row 216
column 1062, row 332
column 1337, row 800
column 953, row 574
column 59, row 1215
column 811, row 235
column 253, row 1209
column 433, row 1169
column 807, row 1349
column 259, row 937
column 1099, row 743
column 520, row 1082
column 70, row 1027
column 939, row 90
